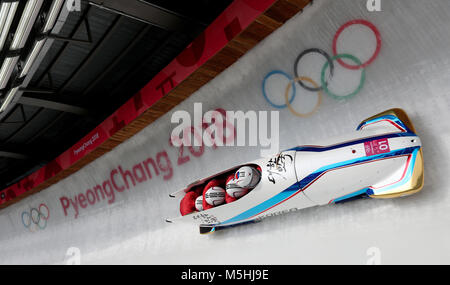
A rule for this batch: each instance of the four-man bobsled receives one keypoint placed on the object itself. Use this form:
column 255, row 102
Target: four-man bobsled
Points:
column 382, row 159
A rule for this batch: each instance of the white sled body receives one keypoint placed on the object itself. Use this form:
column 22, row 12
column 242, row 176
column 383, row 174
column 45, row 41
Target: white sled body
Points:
column 382, row 159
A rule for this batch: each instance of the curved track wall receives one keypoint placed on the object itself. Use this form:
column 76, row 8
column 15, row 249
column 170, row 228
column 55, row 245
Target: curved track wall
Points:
column 410, row 72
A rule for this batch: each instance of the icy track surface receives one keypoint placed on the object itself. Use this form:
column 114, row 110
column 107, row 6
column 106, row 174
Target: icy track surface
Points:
column 412, row 72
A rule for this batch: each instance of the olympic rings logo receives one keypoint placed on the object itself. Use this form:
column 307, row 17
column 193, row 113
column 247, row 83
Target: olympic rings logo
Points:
column 36, row 218
column 290, row 91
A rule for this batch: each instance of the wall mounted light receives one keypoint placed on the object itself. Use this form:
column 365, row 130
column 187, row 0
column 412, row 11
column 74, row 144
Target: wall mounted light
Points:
column 7, row 68
column 7, row 12
column 32, row 57
column 52, row 15
column 27, row 21
column 9, row 97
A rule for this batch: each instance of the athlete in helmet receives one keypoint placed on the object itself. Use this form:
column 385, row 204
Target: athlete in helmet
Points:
column 237, row 185
column 247, row 177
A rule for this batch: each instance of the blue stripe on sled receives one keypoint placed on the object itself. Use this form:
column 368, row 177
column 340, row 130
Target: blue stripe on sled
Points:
column 326, row 148
column 296, row 187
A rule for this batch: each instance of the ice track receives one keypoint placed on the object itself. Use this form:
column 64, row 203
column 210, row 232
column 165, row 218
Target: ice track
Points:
column 412, row 72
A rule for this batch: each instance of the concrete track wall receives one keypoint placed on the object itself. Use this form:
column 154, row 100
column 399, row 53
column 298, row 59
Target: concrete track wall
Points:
column 412, row 72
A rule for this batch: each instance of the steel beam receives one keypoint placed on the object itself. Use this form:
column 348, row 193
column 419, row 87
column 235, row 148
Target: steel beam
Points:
column 31, row 101
column 13, row 155
column 94, row 52
column 149, row 14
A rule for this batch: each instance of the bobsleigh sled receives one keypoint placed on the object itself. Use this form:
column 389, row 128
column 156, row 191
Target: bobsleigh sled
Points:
column 382, row 159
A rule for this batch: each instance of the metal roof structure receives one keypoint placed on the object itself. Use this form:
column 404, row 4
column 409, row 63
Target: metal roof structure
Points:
column 94, row 58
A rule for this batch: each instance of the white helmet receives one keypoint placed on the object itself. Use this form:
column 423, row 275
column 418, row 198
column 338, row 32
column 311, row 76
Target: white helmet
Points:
column 247, row 177
column 215, row 196
column 199, row 203
column 234, row 190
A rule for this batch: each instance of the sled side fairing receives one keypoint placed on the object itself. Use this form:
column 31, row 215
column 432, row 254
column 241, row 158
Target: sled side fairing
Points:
column 411, row 182
column 369, row 176
column 309, row 191
column 395, row 172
